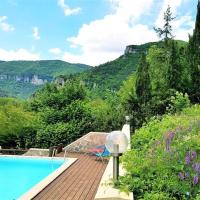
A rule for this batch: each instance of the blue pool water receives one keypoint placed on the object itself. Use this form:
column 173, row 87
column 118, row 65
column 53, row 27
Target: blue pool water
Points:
column 18, row 175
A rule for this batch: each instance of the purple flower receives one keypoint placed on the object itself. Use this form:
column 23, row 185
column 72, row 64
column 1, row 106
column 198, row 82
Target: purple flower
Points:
column 195, row 180
column 196, row 167
column 181, row 175
column 187, row 158
column 193, row 155
column 171, row 135
column 167, row 146
column 168, row 139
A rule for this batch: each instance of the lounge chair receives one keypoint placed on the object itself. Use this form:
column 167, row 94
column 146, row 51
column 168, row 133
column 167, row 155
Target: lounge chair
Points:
column 103, row 154
column 94, row 151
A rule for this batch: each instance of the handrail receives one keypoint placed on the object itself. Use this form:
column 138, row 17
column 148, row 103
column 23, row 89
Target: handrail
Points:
column 65, row 155
column 54, row 153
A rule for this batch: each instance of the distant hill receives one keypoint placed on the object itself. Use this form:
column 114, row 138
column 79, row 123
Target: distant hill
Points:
column 112, row 74
column 22, row 78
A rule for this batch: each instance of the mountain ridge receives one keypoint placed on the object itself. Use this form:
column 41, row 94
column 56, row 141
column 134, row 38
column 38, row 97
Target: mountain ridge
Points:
column 22, row 78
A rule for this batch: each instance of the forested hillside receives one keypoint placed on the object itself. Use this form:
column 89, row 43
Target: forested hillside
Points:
column 111, row 75
column 44, row 68
column 23, row 78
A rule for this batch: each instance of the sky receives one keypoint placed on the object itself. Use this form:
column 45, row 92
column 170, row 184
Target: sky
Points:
column 85, row 31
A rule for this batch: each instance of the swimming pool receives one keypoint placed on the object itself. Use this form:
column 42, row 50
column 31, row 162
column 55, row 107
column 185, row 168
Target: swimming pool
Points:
column 19, row 174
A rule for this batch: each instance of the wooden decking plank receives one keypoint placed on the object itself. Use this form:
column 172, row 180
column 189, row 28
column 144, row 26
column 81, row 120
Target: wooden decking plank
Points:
column 56, row 184
column 53, row 186
column 80, row 190
column 71, row 188
column 79, row 182
column 75, row 186
column 63, row 180
column 93, row 190
column 72, row 179
column 86, row 190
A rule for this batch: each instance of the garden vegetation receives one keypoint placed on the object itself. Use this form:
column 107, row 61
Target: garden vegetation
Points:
column 162, row 97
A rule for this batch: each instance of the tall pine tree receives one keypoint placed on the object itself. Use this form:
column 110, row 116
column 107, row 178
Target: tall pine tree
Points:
column 166, row 31
column 143, row 83
column 194, row 59
column 175, row 68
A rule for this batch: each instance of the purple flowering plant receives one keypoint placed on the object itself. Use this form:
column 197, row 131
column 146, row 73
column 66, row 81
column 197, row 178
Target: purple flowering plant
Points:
column 190, row 173
column 165, row 158
column 188, row 165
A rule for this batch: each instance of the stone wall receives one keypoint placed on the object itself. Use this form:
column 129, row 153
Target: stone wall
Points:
column 37, row 152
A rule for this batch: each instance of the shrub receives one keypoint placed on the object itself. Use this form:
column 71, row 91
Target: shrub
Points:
column 14, row 120
column 165, row 158
column 63, row 114
column 179, row 101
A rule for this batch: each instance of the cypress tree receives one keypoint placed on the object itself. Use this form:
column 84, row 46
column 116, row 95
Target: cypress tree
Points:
column 143, row 83
column 175, row 68
column 194, row 59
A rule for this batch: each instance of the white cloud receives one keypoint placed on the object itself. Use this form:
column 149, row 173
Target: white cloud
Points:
column 107, row 45
column 20, row 54
column 36, row 34
column 67, row 10
column 4, row 26
column 105, row 39
column 181, row 32
column 55, row 51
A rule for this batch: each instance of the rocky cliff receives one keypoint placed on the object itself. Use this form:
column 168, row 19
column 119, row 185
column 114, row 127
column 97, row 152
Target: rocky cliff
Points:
column 132, row 49
column 33, row 79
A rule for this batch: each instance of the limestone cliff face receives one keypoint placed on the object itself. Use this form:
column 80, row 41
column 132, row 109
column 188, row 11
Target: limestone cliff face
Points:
column 33, row 79
column 132, row 49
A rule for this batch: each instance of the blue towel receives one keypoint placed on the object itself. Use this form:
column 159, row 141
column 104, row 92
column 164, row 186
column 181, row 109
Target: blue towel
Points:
column 105, row 153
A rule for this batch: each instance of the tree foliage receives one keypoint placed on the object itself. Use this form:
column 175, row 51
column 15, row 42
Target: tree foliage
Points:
column 143, row 84
column 14, row 123
column 63, row 114
column 194, row 59
column 166, row 31
column 174, row 74
column 164, row 153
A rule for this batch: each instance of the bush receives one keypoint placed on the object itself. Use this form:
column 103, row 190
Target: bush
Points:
column 178, row 102
column 157, row 196
column 14, row 120
column 63, row 114
column 165, row 158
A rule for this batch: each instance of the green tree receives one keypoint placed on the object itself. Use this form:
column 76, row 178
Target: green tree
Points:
column 175, row 69
column 14, row 121
column 143, row 83
column 158, row 66
column 166, row 31
column 63, row 113
column 194, row 59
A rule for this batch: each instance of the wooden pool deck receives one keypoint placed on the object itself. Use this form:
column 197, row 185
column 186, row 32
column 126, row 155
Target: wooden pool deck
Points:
column 79, row 182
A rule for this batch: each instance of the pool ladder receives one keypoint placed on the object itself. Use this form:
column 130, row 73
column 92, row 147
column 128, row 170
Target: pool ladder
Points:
column 54, row 153
column 65, row 155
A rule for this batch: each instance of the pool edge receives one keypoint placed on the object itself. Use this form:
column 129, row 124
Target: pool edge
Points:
column 35, row 190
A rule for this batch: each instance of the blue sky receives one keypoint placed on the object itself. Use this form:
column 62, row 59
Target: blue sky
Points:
column 85, row 31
